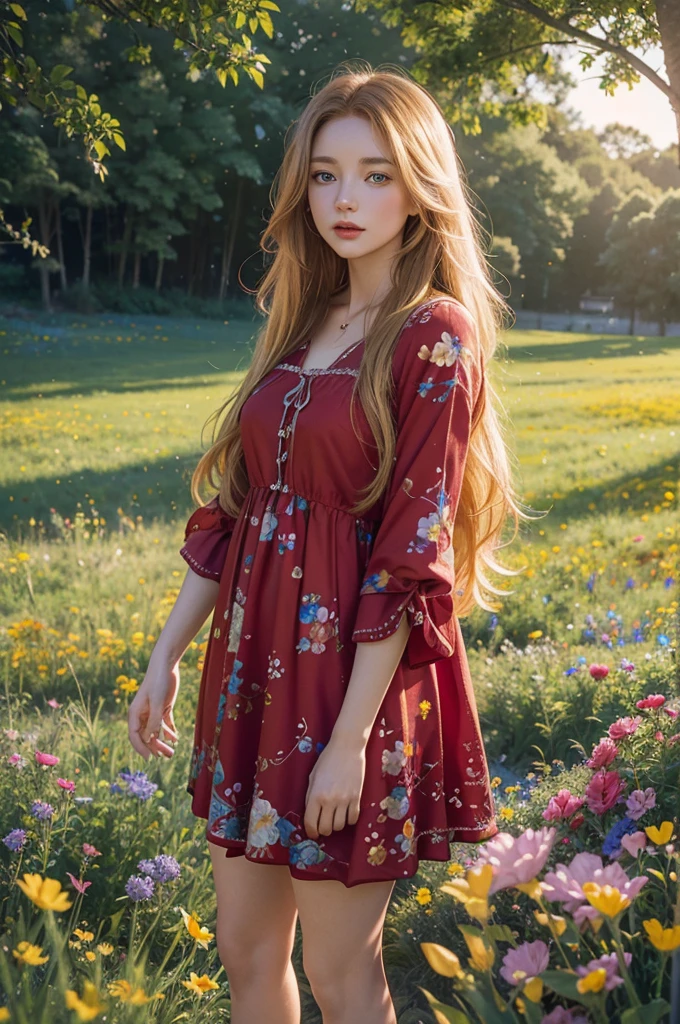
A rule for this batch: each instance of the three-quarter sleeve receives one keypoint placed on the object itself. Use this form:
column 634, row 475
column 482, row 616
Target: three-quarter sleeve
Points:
column 411, row 566
column 206, row 540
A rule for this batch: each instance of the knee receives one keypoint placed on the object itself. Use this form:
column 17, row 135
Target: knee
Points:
column 333, row 982
column 245, row 957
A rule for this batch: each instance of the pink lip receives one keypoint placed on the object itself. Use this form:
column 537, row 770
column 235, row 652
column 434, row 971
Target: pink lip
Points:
column 346, row 225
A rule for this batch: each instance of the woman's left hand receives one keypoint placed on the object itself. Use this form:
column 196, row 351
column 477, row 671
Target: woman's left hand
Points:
column 334, row 789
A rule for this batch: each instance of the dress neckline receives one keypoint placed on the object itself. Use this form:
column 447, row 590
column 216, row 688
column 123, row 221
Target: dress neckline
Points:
column 302, row 351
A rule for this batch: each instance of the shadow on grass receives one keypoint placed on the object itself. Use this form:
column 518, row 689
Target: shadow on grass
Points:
column 598, row 347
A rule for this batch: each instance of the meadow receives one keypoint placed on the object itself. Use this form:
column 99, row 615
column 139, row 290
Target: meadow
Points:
column 101, row 422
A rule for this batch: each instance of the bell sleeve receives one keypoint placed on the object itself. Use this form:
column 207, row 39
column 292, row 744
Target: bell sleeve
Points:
column 206, row 540
column 411, row 566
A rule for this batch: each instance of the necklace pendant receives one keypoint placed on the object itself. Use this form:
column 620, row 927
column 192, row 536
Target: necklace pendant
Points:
column 343, row 327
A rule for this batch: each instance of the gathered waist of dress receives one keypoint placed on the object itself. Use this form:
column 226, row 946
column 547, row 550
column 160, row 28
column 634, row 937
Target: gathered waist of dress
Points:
column 265, row 490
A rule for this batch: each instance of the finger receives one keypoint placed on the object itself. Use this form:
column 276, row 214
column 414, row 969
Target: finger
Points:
column 353, row 815
column 311, row 821
column 136, row 717
column 169, row 725
column 339, row 818
column 326, row 820
column 158, row 747
column 153, row 725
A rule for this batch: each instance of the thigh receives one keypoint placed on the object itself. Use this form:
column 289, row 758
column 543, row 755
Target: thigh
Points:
column 341, row 926
column 255, row 904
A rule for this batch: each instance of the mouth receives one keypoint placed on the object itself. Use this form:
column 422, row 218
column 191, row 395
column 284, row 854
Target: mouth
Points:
column 346, row 229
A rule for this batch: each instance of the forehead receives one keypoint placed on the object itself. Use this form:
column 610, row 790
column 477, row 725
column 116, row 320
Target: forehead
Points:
column 349, row 137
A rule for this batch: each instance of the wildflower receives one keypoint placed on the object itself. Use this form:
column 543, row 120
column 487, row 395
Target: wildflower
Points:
column 105, row 948
column 592, row 981
column 562, row 806
column 561, row 1016
column 200, row 985
column 90, row 851
column 15, row 839
column 640, row 801
column 124, row 991
column 84, row 936
column 662, row 639
column 41, row 810
column 196, row 931
column 516, row 860
column 604, row 790
column 611, row 846
column 162, row 868
column 48, row 759
column 17, row 759
column 671, row 712
column 66, row 784
column 138, row 784
column 77, row 884
column 609, row 964
column 662, row 835
column 663, row 939
column 524, row 964
column 607, row 899
column 442, row 960
column 26, row 953
column 455, row 869
column 634, row 843
column 46, row 893
column 556, row 922
column 576, row 821
column 481, row 955
column 139, row 888
column 603, row 754
column 473, row 890
column 624, row 727
column 423, row 896
column 89, row 1006
column 11, row 734
column 655, row 700
column 565, row 883
column 54, row 703
column 627, row 665
column 598, row 671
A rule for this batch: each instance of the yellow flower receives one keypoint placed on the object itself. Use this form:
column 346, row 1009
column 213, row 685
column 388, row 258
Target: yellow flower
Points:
column 592, row 982
column 535, row 634
column 506, row 813
column 481, row 955
column 124, row 991
column 4, row 1014
column 442, row 960
column 455, row 869
column 27, row 953
column 89, row 955
column 663, row 939
column 472, row 891
column 662, row 835
column 605, row 898
column 533, row 990
column 424, row 896
column 496, row 781
column 45, row 893
column 557, row 922
column 200, row 985
column 89, row 1006
column 131, row 686
column 83, row 936
column 533, row 889
column 196, row 930
column 105, row 948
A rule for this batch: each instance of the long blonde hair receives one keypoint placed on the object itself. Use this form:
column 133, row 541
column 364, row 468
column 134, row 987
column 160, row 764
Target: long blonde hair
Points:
column 441, row 254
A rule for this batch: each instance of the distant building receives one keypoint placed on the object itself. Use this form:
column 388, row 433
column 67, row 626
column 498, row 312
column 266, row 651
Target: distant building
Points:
column 596, row 303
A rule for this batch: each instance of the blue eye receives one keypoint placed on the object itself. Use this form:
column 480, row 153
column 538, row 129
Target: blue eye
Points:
column 380, row 175
column 317, row 173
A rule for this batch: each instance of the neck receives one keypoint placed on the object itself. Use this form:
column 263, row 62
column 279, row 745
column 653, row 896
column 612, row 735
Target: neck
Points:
column 369, row 277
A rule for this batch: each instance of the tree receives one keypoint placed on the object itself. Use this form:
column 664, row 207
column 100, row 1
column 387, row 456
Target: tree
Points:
column 626, row 254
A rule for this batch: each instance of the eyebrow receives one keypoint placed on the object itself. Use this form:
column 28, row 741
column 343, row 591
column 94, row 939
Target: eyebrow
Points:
column 364, row 160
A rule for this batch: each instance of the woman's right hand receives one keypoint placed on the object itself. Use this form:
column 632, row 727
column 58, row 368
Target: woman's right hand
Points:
column 151, row 711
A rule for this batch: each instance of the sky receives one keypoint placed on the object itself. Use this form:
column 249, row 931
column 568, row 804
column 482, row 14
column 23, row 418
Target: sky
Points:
column 644, row 107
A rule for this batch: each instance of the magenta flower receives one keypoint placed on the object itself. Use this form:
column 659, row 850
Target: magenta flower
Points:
column 77, row 884
column 50, row 759
column 54, row 703
column 655, row 700
column 610, row 964
column 516, row 859
column 598, row 671
column 640, row 801
column 624, row 727
column 16, row 759
column 562, row 1016
column 603, row 754
column 91, row 851
column 604, row 790
column 634, row 843
column 639, row 537
column 671, row 712
column 67, row 784
column 562, row 806
column 529, row 960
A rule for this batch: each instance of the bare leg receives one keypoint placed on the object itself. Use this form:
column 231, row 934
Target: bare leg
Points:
column 342, row 949
column 256, row 917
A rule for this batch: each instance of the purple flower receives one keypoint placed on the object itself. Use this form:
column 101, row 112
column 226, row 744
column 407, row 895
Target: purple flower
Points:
column 138, row 784
column 640, row 801
column 15, row 839
column 41, row 810
column 610, row 964
column 529, row 960
column 162, row 868
column 561, row 1016
column 669, row 581
column 139, row 888
column 611, row 846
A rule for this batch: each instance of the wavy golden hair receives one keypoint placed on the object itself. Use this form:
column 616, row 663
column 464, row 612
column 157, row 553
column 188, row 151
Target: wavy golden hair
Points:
column 441, row 254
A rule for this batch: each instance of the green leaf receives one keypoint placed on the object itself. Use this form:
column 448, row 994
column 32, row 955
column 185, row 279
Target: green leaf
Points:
column 648, row 1014
column 501, row 933
column 14, row 31
column 448, row 1013
column 59, row 73
column 564, row 983
column 19, row 11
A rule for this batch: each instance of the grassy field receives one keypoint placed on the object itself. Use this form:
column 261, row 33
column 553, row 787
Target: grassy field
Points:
column 101, row 427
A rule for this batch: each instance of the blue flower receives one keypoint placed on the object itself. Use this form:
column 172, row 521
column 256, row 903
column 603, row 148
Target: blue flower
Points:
column 162, row 868
column 138, row 784
column 570, row 671
column 662, row 639
column 630, row 583
column 612, row 841
column 669, row 581
column 139, row 888
column 41, row 810
column 15, row 839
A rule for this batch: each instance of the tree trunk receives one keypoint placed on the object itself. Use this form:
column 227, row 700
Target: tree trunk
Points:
column 228, row 252
column 87, row 248
column 204, row 236
column 43, row 219
column 159, row 272
column 127, row 235
column 136, row 268
column 60, row 250
column 631, row 322
column 668, row 17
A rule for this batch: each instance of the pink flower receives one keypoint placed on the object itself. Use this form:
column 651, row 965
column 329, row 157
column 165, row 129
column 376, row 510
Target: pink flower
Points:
column 604, row 790
column 671, row 712
column 516, row 858
column 11, row 734
column 634, row 843
column 624, row 727
column 16, row 759
column 77, row 884
column 576, row 821
column 66, row 784
column 531, row 959
column 603, row 754
column 564, row 884
column 561, row 1016
column 655, row 700
column 49, row 759
column 610, row 964
column 639, row 537
column 598, row 671
column 659, row 736
column 562, row 806
column 673, row 739
column 54, row 703
column 91, row 851
column 639, row 802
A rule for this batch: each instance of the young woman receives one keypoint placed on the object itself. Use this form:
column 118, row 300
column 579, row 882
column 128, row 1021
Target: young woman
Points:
column 336, row 737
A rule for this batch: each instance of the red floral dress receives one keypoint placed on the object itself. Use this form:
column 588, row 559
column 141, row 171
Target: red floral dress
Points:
column 303, row 580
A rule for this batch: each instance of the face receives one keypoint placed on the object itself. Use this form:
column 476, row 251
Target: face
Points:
column 353, row 179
